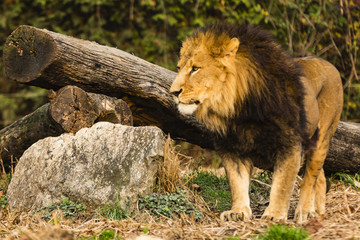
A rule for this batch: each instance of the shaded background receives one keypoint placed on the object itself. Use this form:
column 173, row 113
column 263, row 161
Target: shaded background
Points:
column 154, row 29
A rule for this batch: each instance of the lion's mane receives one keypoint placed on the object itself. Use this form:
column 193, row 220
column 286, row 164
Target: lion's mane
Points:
column 263, row 101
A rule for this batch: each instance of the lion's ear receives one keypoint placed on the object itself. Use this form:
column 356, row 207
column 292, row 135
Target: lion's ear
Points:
column 232, row 47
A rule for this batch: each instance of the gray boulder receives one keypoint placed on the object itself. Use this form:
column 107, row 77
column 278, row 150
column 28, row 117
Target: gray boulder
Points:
column 95, row 166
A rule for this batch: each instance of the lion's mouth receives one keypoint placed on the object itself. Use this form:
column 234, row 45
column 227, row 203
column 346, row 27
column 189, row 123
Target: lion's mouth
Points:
column 189, row 108
column 178, row 101
column 197, row 102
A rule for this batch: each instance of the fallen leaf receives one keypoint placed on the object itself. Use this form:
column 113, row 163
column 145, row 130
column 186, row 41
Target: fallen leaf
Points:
column 313, row 225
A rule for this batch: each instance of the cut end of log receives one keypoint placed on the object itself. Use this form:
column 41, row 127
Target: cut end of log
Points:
column 27, row 54
column 73, row 109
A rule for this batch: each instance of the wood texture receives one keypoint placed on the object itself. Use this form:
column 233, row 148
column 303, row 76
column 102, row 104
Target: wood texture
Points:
column 344, row 154
column 69, row 110
column 61, row 60
column 19, row 136
column 51, row 60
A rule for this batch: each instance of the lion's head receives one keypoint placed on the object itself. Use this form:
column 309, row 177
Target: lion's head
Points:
column 215, row 75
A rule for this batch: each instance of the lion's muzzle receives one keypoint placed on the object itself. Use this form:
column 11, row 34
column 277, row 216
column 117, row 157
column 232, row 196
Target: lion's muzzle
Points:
column 185, row 108
column 176, row 93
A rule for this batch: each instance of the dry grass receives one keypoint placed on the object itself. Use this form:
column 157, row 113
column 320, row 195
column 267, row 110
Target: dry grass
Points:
column 168, row 174
column 342, row 221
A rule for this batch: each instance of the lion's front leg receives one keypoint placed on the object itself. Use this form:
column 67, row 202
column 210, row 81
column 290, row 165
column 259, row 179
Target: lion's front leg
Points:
column 238, row 173
column 285, row 171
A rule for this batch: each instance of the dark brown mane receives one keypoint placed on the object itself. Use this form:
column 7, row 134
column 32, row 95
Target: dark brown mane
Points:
column 283, row 93
column 265, row 109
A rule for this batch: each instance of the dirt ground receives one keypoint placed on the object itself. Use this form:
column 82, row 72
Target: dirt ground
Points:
column 342, row 221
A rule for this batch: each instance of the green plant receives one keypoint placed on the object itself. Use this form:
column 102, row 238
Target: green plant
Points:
column 4, row 183
column 280, row 232
column 348, row 179
column 69, row 209
column 3, row 201
column 169, row 205
column 215, row 190
column 145, row 230
column 113, row 211
column 104, row 235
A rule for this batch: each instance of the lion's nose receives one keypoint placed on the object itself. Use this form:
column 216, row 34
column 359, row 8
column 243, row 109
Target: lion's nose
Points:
column 176, row 93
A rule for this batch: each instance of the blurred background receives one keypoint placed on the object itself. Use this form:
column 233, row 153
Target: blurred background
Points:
column 154, row 29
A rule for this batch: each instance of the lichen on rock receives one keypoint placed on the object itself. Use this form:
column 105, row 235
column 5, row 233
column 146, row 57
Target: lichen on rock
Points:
column 97, row 165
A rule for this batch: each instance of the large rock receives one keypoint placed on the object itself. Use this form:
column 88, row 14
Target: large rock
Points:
column 97, row 165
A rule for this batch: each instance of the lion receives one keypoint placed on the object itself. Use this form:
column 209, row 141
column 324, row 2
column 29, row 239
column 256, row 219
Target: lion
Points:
column 265, row 109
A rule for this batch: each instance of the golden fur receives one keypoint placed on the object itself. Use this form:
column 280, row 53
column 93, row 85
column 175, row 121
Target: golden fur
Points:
column 228, row 71
column 265, row 109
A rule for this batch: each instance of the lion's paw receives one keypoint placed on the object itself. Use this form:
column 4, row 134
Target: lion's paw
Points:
column 240, row 214
column 301, row 216
column 275, row 215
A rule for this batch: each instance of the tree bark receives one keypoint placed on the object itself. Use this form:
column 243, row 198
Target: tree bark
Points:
column 72, row 108
column 344, row 153
column 19, row 136
column 50, row 60
column 69, row 110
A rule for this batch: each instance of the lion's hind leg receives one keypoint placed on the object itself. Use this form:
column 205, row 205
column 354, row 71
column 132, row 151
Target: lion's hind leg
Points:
column 320, row 193
column 313, row 186
column 238, row 173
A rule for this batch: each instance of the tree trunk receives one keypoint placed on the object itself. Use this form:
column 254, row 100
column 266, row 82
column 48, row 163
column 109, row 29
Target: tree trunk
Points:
column 51, row 60
column 69, row 110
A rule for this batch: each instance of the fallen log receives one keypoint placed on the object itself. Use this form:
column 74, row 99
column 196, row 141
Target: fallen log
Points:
column 72, row 108
column 69, row 110
column 50, row 60
column 344, row 153
column 17, row 137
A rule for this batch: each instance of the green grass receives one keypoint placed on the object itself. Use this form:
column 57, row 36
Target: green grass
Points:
column 104, row 235
column 3, row 201
column 113, row 211
column 4, row 183
column 216, row 192
column 280, row 232
column 352, row 180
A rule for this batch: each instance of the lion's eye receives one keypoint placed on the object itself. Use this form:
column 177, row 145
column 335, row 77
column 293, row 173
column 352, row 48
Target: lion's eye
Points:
column 178, row 68
column 194, row 69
